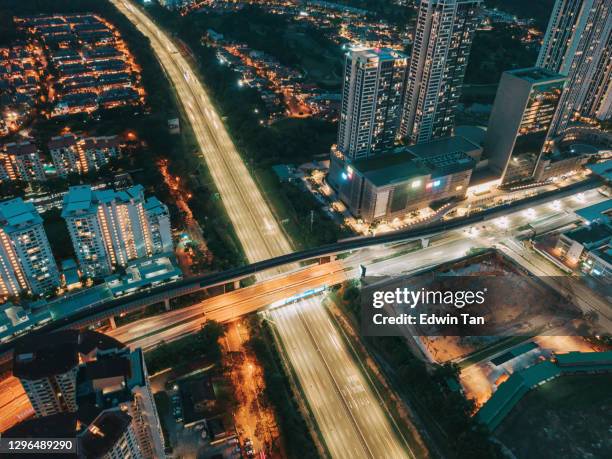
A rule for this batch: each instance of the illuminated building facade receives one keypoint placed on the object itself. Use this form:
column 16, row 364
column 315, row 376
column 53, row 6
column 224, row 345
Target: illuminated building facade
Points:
column 21, row 161
column 109, row 228
column 95, row 380
column 72, row 155
column 371, row 101
column 406, row 179
column 442, row 42
column 520, row 121
column 118, row 379
column 158, row 218
column 26, row 261
column 578, row 44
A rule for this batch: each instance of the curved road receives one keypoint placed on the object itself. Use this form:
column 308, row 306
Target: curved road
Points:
column 259, row 233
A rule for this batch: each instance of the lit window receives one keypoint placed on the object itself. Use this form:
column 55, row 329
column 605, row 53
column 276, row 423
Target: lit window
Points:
column 416, row 184
column 436, row 183
column 459, row 187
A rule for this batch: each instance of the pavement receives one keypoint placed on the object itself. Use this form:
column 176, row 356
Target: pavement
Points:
column 350, row 415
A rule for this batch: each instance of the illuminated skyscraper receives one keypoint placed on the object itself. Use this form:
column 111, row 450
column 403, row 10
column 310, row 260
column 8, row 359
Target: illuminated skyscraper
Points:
column 442, row 41
column 371, row 101
column 522, row 113
column 48, row 368
column 578, row 44
column 26, row 261
column 109, row 228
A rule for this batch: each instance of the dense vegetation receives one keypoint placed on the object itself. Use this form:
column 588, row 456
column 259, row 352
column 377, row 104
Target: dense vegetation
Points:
column 446, row 412
column 295, row 433
column 496, row 51
column 539, row 10
column 385, row 9
column 203, row 345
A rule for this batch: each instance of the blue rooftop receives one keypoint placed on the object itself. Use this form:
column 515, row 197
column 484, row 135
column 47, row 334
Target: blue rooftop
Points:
column 15, row 214
column 601, row 211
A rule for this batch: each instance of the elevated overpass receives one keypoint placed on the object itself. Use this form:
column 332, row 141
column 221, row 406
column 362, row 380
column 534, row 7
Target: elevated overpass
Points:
column 323, row 254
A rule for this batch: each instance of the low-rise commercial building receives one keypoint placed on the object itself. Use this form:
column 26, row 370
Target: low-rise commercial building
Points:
column 17, row 319
column 590, row 246
column 144, row 274
column 521, row 382
column 404, row 179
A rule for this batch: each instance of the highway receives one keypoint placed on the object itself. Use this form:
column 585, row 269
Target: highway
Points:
column 380, row 261
column 350, row 416
column 259, row 233
column 148, row 332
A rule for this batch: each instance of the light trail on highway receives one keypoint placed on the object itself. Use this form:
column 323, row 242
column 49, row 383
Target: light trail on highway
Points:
column 148, row 332
column 350, row 415
column 449, row 245
column 259, row 233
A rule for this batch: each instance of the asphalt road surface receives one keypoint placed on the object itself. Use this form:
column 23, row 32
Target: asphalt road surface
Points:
column 257, row 229
column 351, row 417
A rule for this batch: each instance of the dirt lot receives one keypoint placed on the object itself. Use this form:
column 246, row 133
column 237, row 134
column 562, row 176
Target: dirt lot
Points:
column 568, row 417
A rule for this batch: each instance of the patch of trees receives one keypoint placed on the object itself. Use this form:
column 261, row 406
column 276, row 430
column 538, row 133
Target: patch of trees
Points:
column 495, row 51
column 294, row 431
column 201, row 345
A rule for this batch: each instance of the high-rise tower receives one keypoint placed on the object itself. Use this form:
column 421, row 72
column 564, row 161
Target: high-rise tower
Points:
column 442, row 41
column 578, row 44
column 26, row 261
column 371, row 101
column 109, row 228
column 520, row 121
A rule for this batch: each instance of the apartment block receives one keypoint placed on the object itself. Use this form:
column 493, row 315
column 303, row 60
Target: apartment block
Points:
column 21, row 161
column 73, row 155
column 48, row 368
column 109, row 228
column 371, row 101
column 442, row 41
column 26, row 261
column 88, row 385
column 118, row 379
column 578, row 45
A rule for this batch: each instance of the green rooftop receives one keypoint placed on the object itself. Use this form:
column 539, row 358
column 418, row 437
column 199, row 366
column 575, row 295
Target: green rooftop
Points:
column 585, row 358
column 520, row 382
